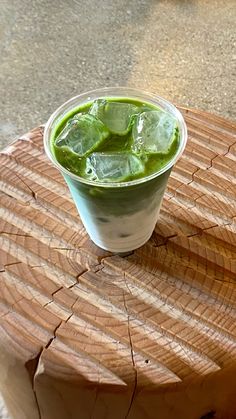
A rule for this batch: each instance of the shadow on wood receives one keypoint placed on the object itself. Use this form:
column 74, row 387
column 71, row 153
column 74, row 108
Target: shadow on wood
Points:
column 206, row 398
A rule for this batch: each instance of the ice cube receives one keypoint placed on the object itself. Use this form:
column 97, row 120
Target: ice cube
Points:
column 82, row 134
column 116, row 167
column 153, row 132
column 117, row 116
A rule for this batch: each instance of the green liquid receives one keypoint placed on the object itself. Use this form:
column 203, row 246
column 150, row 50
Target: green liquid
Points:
column 114, row 143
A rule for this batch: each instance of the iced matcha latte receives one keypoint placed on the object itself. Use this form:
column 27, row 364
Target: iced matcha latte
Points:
column 115, row 149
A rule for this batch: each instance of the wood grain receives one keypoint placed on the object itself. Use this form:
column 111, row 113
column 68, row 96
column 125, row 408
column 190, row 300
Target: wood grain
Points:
column 153, row 330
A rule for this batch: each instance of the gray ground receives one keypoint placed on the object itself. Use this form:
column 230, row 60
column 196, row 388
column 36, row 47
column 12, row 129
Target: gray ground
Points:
column 183, row 50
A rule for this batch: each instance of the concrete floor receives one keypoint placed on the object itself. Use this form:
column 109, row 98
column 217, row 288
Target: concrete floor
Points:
column 184, row 50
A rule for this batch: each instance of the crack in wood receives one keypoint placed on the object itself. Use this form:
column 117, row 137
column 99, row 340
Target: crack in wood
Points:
column 15, row 234
column 59, row 289
column 34, row 366
column 213, row 158
column 201, row 231
column 225, row 282
column 13, row 263
column 100, row 266
column 78, row 276
column 173, row 236
column 34, row 195
column 9, row 264
column 192, row 175
column 132, row 355
column 9, row 196
column 64, row 248
column 31, row 366
column 165, row 242
column 229, row 149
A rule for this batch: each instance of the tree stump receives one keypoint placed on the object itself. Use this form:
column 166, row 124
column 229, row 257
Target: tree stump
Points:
column 147, row 335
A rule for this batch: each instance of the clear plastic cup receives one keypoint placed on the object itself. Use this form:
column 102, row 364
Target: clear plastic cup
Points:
column 118, row 217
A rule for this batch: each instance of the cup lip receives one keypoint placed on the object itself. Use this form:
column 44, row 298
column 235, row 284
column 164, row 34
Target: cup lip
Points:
column 119, row 92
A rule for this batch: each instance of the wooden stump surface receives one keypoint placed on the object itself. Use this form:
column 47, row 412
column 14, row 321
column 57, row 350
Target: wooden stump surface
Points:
column 161, row 317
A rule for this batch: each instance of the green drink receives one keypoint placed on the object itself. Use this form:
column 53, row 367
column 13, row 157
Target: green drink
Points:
column 115, row 149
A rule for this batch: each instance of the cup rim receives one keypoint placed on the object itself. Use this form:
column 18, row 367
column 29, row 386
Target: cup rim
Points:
column 115, row 92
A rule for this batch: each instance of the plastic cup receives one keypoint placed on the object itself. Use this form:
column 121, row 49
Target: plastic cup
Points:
column 118, row 217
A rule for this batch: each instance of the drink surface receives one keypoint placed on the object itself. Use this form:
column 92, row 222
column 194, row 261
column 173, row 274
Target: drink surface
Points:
column 115, row 140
